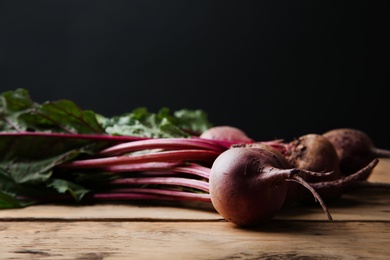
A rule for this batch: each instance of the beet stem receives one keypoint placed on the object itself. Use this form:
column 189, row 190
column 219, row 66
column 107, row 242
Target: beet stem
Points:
column 175, row 181
column 95, row 137
column 295, row 175
column 167, row 156
column 381, row 153
column 193, row 168
column 154, row 194
column 300, row 180
column 347, row 181
column 138, row 167
column 159, row 167
column 161, row 143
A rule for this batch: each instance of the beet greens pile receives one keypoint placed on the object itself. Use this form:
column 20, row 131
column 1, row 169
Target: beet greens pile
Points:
column 42, row 144
column 55, row 152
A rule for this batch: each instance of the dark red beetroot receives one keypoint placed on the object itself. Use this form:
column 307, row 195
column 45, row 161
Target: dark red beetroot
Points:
column 226, row 133
column 312, row 152
column 249, row 185
column 354, row 148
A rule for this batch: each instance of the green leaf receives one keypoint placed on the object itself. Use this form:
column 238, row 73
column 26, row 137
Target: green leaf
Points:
column 19, row 113
column 30, row 148
column 9, row 201
column 33, row 171
column 17, row 100
column 62, row 116
column 193, row 120
column 10, row 190
column 63, row 186
column 163, row 124
column 12, row 105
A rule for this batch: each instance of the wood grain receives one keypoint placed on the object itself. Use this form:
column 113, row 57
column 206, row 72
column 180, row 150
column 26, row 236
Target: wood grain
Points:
column 198, row 240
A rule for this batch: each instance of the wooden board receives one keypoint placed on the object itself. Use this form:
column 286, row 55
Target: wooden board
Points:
column 195, row 240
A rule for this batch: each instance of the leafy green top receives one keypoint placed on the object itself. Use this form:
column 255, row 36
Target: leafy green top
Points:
column 34, row 138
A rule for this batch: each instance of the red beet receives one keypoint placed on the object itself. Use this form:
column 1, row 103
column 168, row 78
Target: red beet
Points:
column 354, row 148
column 312, row 152
column 226, row 133
column 249, row 185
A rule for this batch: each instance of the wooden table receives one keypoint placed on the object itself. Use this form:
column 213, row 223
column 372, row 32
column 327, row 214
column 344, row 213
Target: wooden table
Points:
column 360, row 230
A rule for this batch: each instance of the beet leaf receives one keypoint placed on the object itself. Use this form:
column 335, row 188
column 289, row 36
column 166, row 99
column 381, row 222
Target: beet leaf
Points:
column 19, row 113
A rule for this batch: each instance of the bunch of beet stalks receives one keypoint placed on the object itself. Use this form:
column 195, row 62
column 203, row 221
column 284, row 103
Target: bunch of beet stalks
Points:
column 154, row 169
column 247, row 182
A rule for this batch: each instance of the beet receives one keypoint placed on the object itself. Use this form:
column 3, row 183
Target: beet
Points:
column 249, row 185
column 354, row 148
column 315, row 153
column 226, row 133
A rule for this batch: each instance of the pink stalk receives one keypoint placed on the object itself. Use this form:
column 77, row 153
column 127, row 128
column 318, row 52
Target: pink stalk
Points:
column 176, row 181
column 193, row 168
column 223, row 143
column 161, row 143
column 142, row 167
column 171, row 167
column 151, row 194
column 96, row 137
column 164, row 156
column 216, row 144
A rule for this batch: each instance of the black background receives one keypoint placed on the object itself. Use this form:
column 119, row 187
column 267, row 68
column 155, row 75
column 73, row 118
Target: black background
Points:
column 276, row 69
